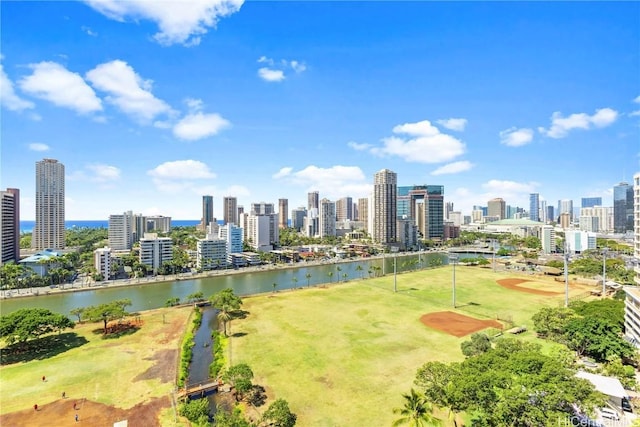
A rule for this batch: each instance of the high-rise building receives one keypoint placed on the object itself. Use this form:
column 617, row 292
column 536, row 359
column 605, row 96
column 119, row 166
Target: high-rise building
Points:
column 363, row 211
column 159, row 223
column 262, row 208
column 120, row 231
column 313, row 200
column 230, row 207
column 102, row 262
column 327, row 218
column 534, row 207
column 550, row 213
column 548, row 239
column 262, row 231
column 283, row 213
column 297, row 218
column 49, row 231
column 636, row 226
column 155, row 251
column 10, row 225
column 344, row 209
column 565, row 206
column 544, row 212
column 425, row 205
column 590, row 202
column 211, row 253
column 233, row 236
column 385, row 189
column 138, row 227
column 497, row 208
column 622, row 207
column 207, row 211
column 448, row 208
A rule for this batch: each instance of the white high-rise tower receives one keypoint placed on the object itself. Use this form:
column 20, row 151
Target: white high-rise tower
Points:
column 385, row 196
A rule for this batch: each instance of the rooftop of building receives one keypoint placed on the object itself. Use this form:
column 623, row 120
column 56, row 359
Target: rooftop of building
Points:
column 518, row 222
column 43, row 255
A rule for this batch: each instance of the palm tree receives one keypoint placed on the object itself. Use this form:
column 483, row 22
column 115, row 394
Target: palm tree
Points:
column 359, row 268
column 344, row 277
column 338, row 269
column 295, row 281
column 330, row 274
column 416, row 411
column 274, row 287
column 225, row 317
column 308, row 276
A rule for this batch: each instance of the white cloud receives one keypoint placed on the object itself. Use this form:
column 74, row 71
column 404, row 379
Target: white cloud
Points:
column 199, row 125
column 194, row 104
column 298, row 67
column 8, row 97
column 560, row 126
column 89, row 31
column 270, row 75
column 428, row 144
column 286, row 171
column 127, row 90
column 182, row 22
column 333, row 183
column 634, row 113
column 514, row 137
column 453, row 124
column 513, row 192
column 505, row 188
column 104, row 173
column 38, row 146
column 637, row 99
column 275, row 72
column 358, row 146
column 455, row 167
column 180, row 176
column 53, row 82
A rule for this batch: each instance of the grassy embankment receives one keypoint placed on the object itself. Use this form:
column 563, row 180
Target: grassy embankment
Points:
column 343, row 355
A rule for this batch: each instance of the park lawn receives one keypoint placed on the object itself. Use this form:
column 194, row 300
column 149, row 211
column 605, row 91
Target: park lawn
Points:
column 109, row 371
column 344, row 354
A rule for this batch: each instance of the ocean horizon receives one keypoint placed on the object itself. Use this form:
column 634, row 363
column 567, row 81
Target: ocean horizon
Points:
column 27, row 226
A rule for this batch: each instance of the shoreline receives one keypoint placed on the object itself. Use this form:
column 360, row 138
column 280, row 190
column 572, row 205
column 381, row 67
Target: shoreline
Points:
column 79, row 286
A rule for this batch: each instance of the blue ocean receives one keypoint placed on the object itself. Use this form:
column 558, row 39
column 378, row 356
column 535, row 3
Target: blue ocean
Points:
column 27, row 226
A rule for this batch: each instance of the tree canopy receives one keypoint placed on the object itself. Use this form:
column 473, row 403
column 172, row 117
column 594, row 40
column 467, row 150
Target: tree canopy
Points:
column 31, row 323
column 107, row 312
column 278, row 414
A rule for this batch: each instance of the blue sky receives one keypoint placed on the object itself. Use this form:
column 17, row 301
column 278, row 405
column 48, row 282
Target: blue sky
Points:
column 151, row 105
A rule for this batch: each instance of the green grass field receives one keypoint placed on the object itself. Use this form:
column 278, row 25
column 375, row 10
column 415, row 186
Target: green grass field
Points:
column 119, row 371
column 342, row 355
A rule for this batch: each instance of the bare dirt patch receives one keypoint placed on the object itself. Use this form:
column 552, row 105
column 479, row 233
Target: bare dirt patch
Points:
column 164, row 369
column 62, row 412
column 456, row 324
column 514, row 284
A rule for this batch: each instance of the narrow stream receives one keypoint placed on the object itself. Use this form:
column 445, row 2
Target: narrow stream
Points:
column 203, row 353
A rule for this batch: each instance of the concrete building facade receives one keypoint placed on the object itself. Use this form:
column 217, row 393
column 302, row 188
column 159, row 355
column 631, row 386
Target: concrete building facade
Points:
column 155, row 251
column 49, row 230
column 385, row 189
column 9, row 225
column 230, row 208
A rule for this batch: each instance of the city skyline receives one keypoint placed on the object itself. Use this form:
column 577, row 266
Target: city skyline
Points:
column 153, row 108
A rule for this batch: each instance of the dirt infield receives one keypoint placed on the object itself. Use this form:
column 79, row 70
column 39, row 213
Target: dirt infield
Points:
column 456, row 324
column 514, row 285
column 61, row 413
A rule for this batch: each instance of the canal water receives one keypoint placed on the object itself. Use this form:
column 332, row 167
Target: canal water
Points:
column 154, row 295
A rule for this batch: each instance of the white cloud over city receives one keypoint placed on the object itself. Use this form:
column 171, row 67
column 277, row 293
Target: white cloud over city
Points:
column 451, row 168
column 333, row 182
column 180, row 175
column 561, row 126
column 453, row 124
column 54, row 83
column 129, row 92
column 420, row 142
column 38, row 146
column 8, row 97
column 178, row 22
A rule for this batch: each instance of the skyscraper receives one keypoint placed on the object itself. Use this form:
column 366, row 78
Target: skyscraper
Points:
column 497, row 208
column 283, row 213
column 344, row 209
column 448, row 208
column 121, row 231
column 622, row 207
column 385, row 189
column 534, row 207
column 10, row 225
column 230, row 207
column 313, row 200
column 207, row 211
column 636, row 225
column 327, row 221
column 565, row 206
column 49, row 228
column 589, row 202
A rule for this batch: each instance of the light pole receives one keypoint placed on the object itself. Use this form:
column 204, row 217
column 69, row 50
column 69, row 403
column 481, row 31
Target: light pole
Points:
column 566, row 275
column 604, row 271
column 452, row 259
